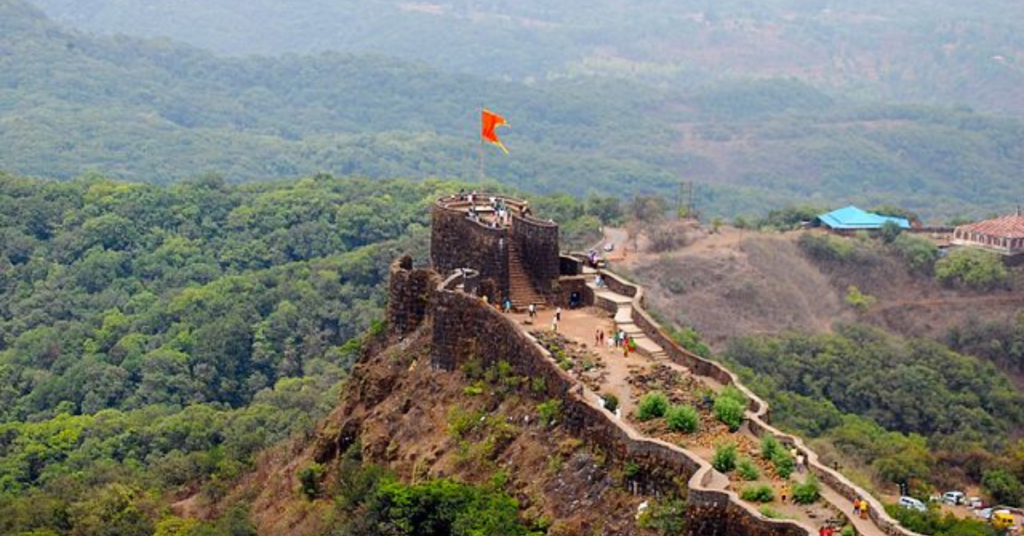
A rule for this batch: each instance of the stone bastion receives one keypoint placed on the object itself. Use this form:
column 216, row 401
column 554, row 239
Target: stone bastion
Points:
column 465, row 327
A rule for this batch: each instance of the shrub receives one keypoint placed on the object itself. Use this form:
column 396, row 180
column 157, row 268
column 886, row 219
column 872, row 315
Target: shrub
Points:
column 919, row 253
column 973, row 268
column 665, row 517
column 848, row 531
column 611, row 402
column 653, row 405
column 769, row 446
column 771, row 513
column 729, row 411
column 549, row 411
column 747, row 469
column 309, row 480
column 682, row 419
column 783, row 463
column 759, row 494
column 807, row 492
column 1003, row 486
column 858, row 300
column 725, row 458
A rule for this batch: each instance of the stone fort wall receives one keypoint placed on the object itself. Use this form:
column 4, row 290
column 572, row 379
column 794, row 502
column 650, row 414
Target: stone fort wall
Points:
column 466, row 329
column 458, row 242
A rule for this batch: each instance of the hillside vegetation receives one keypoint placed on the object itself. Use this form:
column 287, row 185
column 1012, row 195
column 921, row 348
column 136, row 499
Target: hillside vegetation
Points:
column 159, row 112
column 153, row 340
column 917, row 50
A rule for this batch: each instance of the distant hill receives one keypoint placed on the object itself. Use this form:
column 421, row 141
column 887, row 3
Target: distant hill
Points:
column 157, row 111
column 913, row 50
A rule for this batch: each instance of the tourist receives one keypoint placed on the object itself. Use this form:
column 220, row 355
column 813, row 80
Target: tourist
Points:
column 863, row 509
column 632, row 344
column 558, row 314
column 615, row 338
column 800, row 461
column 856, row 505
column 554, row 324
column 532, row 311
column 508, row 305
column 597, row 338
column 784, row 493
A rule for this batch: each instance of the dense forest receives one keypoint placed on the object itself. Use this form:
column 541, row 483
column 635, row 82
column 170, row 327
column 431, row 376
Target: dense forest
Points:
column 892, row 409
column 159, row 112
column 911, row 50
column 154, row 339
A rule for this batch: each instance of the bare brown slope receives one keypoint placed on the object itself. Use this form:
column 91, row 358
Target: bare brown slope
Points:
column 399, row 410
column 726, row 291
column 768, row 285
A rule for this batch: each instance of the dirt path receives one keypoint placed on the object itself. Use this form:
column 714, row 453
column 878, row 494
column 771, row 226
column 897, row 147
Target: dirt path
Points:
column 581, row 327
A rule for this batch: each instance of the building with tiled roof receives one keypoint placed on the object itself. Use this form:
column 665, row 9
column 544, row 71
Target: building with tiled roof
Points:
column 1003, row 235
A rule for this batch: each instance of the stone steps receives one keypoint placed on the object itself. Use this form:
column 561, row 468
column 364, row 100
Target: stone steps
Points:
column 520, row 289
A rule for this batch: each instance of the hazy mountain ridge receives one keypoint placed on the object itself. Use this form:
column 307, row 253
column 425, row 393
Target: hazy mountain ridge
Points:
column 910, row 51
column 157, row 111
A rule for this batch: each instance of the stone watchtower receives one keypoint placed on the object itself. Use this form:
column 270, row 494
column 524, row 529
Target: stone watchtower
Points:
column 516, row 254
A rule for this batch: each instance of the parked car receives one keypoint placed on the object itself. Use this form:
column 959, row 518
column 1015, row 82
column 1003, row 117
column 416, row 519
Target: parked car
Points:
column 912, row 504
column 953, row 497
column 610, row 246
column 984, row 513
column 974, row 502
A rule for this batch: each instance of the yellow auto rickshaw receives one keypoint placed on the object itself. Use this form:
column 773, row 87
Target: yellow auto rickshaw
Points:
column 1003, row 520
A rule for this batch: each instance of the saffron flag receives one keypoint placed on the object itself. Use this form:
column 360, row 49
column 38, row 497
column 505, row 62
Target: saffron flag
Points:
column 491, row 121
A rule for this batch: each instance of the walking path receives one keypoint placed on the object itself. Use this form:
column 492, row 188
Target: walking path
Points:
column 581, row 325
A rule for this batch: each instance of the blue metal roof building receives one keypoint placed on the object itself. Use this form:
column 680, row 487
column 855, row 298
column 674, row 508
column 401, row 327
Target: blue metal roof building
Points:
column 852, row 218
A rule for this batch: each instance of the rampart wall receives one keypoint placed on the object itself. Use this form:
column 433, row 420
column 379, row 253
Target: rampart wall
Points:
column 466, row 329
column 458, row 242
column 758, row 417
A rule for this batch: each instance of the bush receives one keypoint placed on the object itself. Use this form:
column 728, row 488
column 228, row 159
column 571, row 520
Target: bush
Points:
column 665, row 517
column 729, row 411
column 771, row 513
column 309, row 480
column 858, row 300
column 725, row 458
column 611, row 402
column 549, row 411
column 1003, row 486
column 652, row 406
column 974, row 268
column 747, row 469
column 919, row 253
column 783, row 463
column 807, row 492
column 769, row 446
column 758, row 494
column 682, row 419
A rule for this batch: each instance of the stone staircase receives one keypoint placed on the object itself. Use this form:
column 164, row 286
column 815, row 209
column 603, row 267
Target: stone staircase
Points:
column 520, row 287
column 624, row 321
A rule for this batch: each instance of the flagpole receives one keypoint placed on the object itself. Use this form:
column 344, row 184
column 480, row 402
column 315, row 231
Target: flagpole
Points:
column 483, row 156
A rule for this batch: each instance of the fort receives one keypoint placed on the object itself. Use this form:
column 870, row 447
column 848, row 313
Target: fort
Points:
column 487, row 248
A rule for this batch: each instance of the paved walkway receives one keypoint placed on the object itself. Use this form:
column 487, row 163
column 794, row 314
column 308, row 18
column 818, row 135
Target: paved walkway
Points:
column 581, row 326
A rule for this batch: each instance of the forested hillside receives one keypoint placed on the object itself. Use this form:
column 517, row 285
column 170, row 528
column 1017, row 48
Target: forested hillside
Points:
column 154, row 339
column 158, row 112
column 910, row 50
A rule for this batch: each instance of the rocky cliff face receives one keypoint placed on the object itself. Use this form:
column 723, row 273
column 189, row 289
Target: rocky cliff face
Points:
column 471, row 425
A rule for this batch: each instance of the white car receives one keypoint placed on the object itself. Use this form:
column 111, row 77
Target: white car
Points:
column 912, row 504
column 953, row 497
column 984, row 513
column 974, row 502
column 610, row 246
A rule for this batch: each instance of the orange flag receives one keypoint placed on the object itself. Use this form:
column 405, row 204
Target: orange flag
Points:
column 492, row 121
